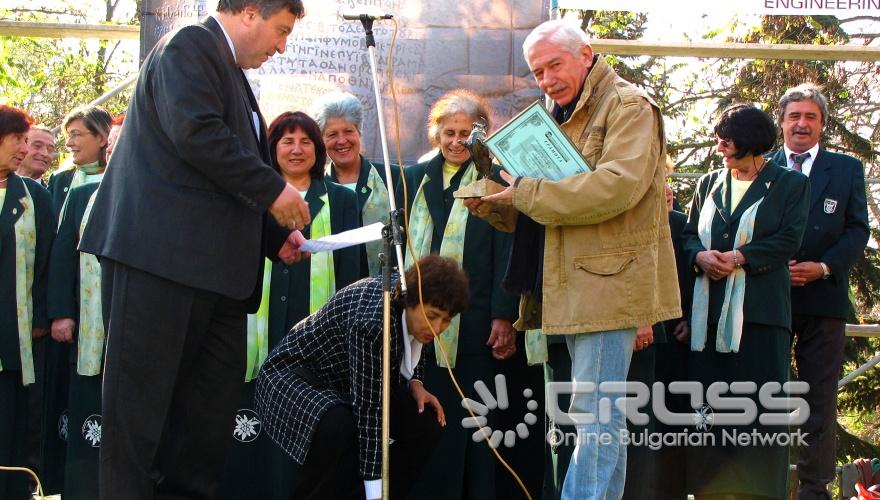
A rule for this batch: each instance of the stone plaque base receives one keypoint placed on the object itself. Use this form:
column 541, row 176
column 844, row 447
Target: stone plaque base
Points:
column 478, row 189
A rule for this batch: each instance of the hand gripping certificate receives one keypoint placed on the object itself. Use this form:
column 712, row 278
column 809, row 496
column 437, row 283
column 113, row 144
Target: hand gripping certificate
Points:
column 531, row 144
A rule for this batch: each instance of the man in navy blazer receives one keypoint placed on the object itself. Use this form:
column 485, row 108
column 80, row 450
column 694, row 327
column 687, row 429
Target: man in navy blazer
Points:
column 836, row 235
column 188, row 211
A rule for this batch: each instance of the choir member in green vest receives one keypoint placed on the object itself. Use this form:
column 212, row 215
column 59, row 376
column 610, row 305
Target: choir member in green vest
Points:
column 255, row 466
column 341, row 117
column 745, row 223
column 75, row 358
column 483, row 333
column 27, row 227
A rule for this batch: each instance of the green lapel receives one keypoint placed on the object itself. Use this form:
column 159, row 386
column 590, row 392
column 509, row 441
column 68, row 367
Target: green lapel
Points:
column 313, row 198
column 721, row 196
column 12, row 209
column 820, row 174
column 434, row 196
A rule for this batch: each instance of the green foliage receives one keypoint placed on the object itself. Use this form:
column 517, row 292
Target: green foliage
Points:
column 48, row 76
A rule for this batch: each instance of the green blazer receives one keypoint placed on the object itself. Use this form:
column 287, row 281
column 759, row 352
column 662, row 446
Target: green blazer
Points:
column 779, row 227
column 10, row 213
column 486, row 252
column 289, row 288
column 58, row 186
column 363, row 192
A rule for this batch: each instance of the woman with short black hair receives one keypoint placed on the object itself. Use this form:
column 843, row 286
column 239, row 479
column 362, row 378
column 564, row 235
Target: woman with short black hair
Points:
column 745, row 223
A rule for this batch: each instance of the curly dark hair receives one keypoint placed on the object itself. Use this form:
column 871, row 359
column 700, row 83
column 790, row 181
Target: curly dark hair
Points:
column 290, row 121
column 751, row 130
column 444, row 284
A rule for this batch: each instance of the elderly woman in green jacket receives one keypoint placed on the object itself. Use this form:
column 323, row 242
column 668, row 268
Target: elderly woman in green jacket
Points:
column 27, row 226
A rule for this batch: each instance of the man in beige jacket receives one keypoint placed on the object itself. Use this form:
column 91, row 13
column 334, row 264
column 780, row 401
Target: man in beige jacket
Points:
column 592, row 256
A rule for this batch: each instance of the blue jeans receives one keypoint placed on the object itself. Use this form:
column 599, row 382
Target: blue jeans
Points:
column 597, row 471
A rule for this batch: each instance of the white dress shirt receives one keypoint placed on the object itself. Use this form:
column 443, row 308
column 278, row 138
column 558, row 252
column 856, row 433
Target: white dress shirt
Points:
column 807, row 165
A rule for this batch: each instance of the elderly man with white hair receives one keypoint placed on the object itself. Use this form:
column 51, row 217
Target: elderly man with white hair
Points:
column 604, row 263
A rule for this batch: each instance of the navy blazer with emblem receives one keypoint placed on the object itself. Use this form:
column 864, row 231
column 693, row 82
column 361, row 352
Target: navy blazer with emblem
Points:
column 837, row 232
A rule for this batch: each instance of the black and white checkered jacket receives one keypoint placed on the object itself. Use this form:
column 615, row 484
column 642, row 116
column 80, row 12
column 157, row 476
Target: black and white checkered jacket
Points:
column 341, row 345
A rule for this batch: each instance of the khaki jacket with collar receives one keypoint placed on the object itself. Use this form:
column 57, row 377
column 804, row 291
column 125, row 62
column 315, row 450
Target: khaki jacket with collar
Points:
column 608, row 257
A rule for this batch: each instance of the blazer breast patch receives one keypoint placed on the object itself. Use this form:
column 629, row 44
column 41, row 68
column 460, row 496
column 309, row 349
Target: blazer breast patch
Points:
column 830, row 206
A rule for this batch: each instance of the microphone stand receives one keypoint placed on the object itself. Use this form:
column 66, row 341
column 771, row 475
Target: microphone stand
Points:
column 392, row 234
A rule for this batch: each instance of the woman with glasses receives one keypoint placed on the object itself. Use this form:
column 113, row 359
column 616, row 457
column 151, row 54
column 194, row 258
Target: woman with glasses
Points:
column 75, row 303
column 746, row 221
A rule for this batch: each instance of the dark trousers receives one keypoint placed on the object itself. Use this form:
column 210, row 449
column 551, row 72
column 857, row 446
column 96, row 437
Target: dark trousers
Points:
column 818, row 351
column 172, row 378
column 332, row 463
column 13, row 436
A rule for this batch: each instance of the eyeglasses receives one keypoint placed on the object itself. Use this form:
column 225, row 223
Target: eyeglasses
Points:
column 725, row 143
column 76, row 134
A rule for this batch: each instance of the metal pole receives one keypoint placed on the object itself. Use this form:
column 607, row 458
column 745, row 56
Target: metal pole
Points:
column 392, row 236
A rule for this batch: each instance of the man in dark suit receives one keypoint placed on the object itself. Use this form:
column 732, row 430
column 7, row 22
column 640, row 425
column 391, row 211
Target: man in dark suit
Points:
column 836, row 235
column 319, row 394
column 186, row 214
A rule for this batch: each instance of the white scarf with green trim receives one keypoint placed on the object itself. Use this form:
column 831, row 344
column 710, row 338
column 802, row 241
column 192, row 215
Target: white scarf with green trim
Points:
column 90, row 340
column 322, row 285
column 25, row 252
column 730, row 322
column 421, row 230
column 376, row 209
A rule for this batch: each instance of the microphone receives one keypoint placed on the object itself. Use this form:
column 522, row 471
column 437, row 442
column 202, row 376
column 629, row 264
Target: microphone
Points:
column 369, row 14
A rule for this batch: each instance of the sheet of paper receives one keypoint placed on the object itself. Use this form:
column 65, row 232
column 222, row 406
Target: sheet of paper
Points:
column 344, row 239
column 531, row 144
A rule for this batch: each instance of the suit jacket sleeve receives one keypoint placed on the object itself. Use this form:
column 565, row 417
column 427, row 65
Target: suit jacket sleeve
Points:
column 690, row 239
column 45, row 221
column 64, row 268
column 190, row 81
column 851, row 244
column 365, row 362
column 774, row 251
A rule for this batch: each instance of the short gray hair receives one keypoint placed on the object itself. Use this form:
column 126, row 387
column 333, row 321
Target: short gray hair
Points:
column 454, row 102
column 803, row 92
column 337, row 105
column 564, row 34
column 43, row 128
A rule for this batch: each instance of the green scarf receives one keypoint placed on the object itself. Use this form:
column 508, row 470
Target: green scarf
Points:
column 376, row 209
column 730, row 322
column 90, row 341
column 25, row 250
column 421, row 229
column 80, row 176
column 322, row 285
column 536, row 347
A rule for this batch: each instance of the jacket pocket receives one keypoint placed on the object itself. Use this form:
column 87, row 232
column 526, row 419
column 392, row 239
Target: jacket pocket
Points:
column 605, row 264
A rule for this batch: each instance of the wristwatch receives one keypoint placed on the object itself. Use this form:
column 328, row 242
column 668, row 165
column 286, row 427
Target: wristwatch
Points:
column 826, row 272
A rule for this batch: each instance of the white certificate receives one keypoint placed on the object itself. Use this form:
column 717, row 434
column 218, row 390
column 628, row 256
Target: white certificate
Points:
column 344, row 239
column 531, row 144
